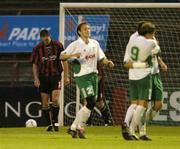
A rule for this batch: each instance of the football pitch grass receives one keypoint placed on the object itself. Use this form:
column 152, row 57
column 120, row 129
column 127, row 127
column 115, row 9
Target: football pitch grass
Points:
column 98, row 137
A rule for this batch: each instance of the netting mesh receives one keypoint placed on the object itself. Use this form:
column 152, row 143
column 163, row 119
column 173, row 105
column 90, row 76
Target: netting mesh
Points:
column 112, row 28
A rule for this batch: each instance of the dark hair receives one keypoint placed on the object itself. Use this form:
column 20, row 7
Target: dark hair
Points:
column 140, row 24
column 79, row 27
column 146, row 28
column 44, row 33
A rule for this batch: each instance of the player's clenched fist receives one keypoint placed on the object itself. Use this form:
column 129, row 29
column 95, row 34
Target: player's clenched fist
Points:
column 110, row 64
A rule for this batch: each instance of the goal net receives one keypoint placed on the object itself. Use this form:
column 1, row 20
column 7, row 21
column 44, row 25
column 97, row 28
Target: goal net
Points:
column 112, row 25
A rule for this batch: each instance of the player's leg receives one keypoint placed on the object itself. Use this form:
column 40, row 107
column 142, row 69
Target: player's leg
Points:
column 130, row 111
column 129, row 114
column 55, row 109
column 137, row 117
column 142, row 129
column 46, row 111
column 89, row 121
column 149, row 115
column 88, row 90
column 144, row 93
column 91, row 93
column 125, row 126
column 55, row 81
column 73, row 128
column 83, row 84
column 104, row 109
column 153, row 110
column 106, row 115
column 102, row 105
column 156, row 104
column 157, row 97
column 77, row 127
column 142, row 125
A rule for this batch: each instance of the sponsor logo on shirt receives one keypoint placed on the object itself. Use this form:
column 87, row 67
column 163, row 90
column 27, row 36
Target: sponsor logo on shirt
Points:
column 92, row 56
column 50, row 58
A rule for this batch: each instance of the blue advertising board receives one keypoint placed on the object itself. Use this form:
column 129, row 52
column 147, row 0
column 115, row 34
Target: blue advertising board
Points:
column 21, row 33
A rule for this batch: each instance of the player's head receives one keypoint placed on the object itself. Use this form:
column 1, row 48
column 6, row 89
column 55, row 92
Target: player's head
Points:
column 147, row 29
column 140, row 24
column 83, row 30
column 45, row 36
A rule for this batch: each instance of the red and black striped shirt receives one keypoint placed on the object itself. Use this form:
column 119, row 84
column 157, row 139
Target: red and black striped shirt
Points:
column 47, row 58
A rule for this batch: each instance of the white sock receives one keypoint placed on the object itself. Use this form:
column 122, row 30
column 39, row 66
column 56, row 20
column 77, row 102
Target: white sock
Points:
column 81, row 117
column 150, row 114
column 84, row 117
column 142, row 129
column 137, row 116
column 76, row 121
column 142, row 125
column 129, row 114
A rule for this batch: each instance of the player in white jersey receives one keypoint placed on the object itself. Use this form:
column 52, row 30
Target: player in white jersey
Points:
column 138, row 53
column 157, row 88
column 131, row 108
column 84, row 54
column 156, row 98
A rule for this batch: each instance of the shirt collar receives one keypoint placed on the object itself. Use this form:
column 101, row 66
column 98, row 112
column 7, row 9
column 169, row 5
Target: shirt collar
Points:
column 80, row 39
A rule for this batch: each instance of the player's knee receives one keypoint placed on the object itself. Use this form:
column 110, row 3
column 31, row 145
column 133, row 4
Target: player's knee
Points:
column 45, row 104
column 55, row 100
column 142, row 103
column 55, row 103
column 100, row 104
column 91, row 102
column 45, row 107
column 158, row 106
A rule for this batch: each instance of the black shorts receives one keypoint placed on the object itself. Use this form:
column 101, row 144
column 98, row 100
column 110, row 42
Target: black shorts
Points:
column 49, row 83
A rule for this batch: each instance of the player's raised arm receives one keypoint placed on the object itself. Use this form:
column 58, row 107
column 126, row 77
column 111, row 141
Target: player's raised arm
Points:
column 70, row 52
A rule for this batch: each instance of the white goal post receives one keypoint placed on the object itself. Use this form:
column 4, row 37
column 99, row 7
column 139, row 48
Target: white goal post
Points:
column 63, row 7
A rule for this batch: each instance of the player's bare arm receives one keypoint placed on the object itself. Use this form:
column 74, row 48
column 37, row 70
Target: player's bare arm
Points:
column 130, row 64
column 35, row 75
column 67, row 56
column 162, row 64
column 107, row 62
column 66, row 72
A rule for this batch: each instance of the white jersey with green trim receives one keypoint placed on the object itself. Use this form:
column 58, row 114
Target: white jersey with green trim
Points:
column 90, row 54
column 139, row 49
